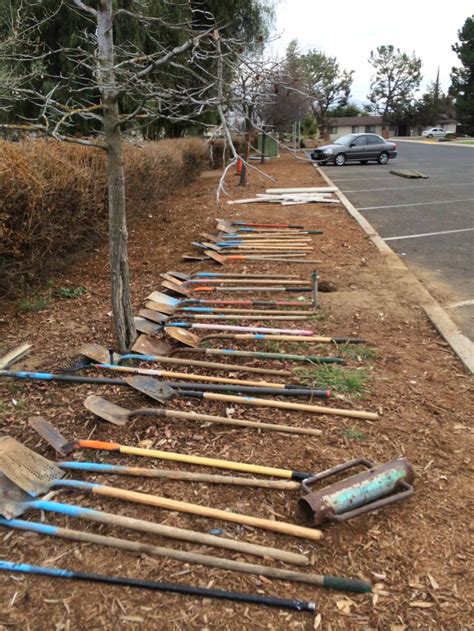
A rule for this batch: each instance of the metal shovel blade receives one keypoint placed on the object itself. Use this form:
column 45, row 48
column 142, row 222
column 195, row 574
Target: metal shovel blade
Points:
column 154, row 316
column 216, row 257
column 176, row 288
column 98, row 353
column 145, row 326
column 159, row 296
column 180, row 275
column 185, row 337
column 148, row 385
column 25, row 468
column 161, row 307
column 12, row 499
column 50, row 434
column 150, row 346
column 106, row 410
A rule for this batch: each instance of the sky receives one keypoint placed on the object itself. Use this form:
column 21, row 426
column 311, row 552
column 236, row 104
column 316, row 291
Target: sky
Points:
column 348, row 31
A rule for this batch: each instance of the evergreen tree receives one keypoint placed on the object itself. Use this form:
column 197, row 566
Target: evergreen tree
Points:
column 462, row 78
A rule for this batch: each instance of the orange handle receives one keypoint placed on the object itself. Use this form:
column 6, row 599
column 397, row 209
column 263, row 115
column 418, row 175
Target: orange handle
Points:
column 98, row 444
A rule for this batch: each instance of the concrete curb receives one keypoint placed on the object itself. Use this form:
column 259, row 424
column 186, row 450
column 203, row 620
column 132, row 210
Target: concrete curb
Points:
column 435, row 143
column 459, row 343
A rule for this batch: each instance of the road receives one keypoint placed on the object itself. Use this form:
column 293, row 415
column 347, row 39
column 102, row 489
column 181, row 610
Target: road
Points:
column 427, row 222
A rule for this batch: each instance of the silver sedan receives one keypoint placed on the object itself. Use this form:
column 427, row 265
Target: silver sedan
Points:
column 356, row 147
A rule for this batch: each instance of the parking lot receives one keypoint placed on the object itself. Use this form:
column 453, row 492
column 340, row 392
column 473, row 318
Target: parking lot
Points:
column 428, row 222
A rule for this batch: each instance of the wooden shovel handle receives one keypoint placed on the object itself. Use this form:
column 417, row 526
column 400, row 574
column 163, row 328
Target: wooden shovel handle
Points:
column 205, row 511
column 287, row 405
column 208, row 462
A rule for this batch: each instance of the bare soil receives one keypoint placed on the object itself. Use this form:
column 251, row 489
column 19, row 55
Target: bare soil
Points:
column 416, row 553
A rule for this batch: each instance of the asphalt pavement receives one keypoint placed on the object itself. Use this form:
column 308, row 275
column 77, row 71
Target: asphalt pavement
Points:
column 427, row 222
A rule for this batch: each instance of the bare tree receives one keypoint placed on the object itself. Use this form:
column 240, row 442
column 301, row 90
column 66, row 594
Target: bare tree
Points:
column 163, row 82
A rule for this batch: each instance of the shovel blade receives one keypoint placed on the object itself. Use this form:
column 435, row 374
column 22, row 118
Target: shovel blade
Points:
column 146, row 345
column 185, row 337
column 25, row 468
column 108, row 411
column 98, row 353
column 151, row 387
column 179, row 275
column 161, row 307
column 154, row 316
column 12, row 499
column 159, row 296
column 176, row 288
column 216, row 257
column 50, row 434
column 145, row 326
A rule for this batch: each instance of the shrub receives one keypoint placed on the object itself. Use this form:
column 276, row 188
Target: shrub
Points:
column 53, row 198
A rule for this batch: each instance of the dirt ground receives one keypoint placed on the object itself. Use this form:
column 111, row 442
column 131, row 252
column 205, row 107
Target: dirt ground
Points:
column 415, row 552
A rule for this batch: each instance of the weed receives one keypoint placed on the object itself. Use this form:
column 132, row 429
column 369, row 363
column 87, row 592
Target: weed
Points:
column 317, row 317
column 341, row 380
column 30, row 306
column 20, row 404
column 3, row 406
column 354, row 434
column 358, row 352
column 70, row 292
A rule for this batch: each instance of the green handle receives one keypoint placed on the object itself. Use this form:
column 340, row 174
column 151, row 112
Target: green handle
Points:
column 347, row 584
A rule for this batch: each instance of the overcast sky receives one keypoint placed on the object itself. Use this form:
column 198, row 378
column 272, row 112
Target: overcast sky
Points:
column 349, row 30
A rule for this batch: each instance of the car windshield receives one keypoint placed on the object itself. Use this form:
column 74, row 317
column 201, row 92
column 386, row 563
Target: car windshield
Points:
column 345, row 140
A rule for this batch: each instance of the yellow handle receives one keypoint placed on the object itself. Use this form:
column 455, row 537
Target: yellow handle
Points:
column 214, row 513
column 192, row 377
column 207, row 462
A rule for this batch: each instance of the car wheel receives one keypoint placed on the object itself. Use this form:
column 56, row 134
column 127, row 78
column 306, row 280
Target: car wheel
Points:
column 340, row 159
column 383, row 158
column 364, row 161
column 430, row 135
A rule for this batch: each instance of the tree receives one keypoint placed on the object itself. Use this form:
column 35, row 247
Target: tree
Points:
column 397, row 76
column 462, row 78
column 432, row 106
column 350, row 109
column 325, row 83
column 103, row 76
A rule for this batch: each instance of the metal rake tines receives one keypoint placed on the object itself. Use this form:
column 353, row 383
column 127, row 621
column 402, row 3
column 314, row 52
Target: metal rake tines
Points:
column 30, row 471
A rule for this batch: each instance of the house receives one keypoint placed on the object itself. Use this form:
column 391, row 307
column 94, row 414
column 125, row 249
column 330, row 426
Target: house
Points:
column 353, row 125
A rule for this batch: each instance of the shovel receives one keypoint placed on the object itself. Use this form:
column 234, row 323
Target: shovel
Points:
column 230, row 352
column 190, row 339
column 188, row 291
column 35, row 478
column 163, row 393
column 159, row 313
column 205, row 592
column 151, row 350
column 219, row 258
column 161, row 297
column 120, row 416
column 14, row 502
column 153, row 388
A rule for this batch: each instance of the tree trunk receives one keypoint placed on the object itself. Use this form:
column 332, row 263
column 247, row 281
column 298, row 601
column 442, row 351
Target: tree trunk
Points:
column 120, row 284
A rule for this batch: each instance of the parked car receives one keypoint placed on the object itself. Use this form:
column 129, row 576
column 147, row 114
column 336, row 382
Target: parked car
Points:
column 356, row 147
column 434, row 132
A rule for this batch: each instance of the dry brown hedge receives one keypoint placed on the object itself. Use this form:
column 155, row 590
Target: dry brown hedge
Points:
column 53, row 198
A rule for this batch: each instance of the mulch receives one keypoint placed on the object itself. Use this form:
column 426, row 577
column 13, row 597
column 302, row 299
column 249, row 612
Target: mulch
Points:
column 415, row 552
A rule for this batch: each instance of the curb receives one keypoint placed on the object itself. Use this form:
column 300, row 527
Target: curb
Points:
column 434, row 143
column 459, row 343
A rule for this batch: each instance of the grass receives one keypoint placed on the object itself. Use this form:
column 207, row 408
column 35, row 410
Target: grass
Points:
column 70, row 292
column 3, row 406
column 30, row 305
column 357, row 352
column 354, row 434
column 341, row 380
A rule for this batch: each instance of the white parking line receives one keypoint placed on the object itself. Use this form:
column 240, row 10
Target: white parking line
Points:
column 404, row 188
column 448, row 201
column 427, row 234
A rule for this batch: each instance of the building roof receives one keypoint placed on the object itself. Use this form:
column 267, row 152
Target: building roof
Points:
column 343, row 121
